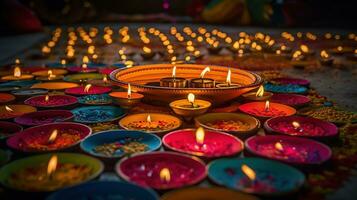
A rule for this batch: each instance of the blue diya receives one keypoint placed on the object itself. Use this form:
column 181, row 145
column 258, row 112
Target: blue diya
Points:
column 82, row 77
column 105, row 190
column 118, row 143
column 95, row 99
column 119, row 65
column 256, row 176
column 289, row 88
column 29, row 92
column 97, row 114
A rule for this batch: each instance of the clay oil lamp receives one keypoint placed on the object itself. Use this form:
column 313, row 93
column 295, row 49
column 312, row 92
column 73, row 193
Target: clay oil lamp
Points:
column 238, row 124
column 54, row 85
column 84, row 77
column 8, row 128
column 203, row 143
column 17, row 75
column 265, row 110
column 325, row 58
column 256, row 176
column 97, row 114
column 147, row 53
column 12, row 111
column 176, row 82
column 190, row 107
column 294, row 100
column 301, row 126
column 51, row 101
column 100, row 82
column 6, row 98
column 88, row 89
column 162, row 170
column 50, row 75
column 44, row 117
column 50, row 172
column 292, row 150
column 81, row 69
column 202, row 82
column 259, row 95
column 49, row 137
column 150, row 122
column 126, row 99
column 228, row 81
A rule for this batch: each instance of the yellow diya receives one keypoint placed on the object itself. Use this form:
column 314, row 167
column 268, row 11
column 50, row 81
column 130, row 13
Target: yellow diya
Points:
column 12, row 111
column 190, row 107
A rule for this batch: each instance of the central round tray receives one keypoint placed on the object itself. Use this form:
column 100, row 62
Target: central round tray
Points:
column 145, row 79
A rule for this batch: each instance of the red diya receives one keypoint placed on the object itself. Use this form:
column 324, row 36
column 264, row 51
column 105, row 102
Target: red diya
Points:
column 8, row 128
column 88, row 90
column 12, row 111
column 51, row 101
column 203, row 143
column 264, row 110
column 293, row 150
column 295, row 100
column 301, row 126
column 49, row 137
column 294, row 81
column 44, row 117
column 5, row 98
column 81, row 69
column 162, row 170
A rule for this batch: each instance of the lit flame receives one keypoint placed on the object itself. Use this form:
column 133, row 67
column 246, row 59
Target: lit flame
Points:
column 148, row 119
column 228, row 79
column 52, row 165
column 17, row 72
column 7, row 108
column 17, row 61
column 105, row 79
column 63, row 62
column 324, row 54
column 146, row 49
column 249, row 172
column 84, row 66
column 339, row 48
column 191, row 98
column 174, row 72
column 267, row 106
column 53, row 136
column 85, row 59
column 200, row 135
column 129, row 91
column 278, row 146
column 296, row 125
column 165, row 175
column 304, row 48
column 207, row 69
column 87, row 87
column 47, row 98
column 49, row 72
column 260, row 92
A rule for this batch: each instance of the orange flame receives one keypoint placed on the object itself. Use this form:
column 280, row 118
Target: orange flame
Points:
column 295, row 124
column 17, row 72
column 84, row 66
column 87, row 87
column 249, row 172
column 174, row 72
column 207, row 69
column 228, row 79
column 200, row 135
column 191, row 98
column 47, row 98
column 53, row 136
column 278, row 146
column 148, row 119
column 129, row 91
column 52, row 165
column 260, row 92
column 7, row 108
column 165, row 175
column 105, row 79
column 267, row 106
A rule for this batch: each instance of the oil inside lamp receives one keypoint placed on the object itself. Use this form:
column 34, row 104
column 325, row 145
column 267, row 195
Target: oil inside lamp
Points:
column 267, row 106
column 165, row 175
column 129, row 91
column 7, row 108
column 87, row 87
column 53, row 136
column 278, row 146
column 248, row 172
column 52, row 165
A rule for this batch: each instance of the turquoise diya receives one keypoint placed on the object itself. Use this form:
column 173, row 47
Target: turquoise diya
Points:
column 97, row 114
column 83, row 77
column 50, row 172
column 23, row 93
column 105, row 190
column 119, row 143
column 289, row 88
column 256, row 176
column 20, row 84
column 95, row 99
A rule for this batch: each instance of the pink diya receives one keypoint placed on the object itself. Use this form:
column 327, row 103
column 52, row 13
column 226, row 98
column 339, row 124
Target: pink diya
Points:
column 8, row 128
column 51, row 101
column 264, row 110
column 88, row 90
column 293, row 150
column 81, row 69
column 301, row 126
column 162, row 170
column 5, row 98
column 203, row 143
column 49, row 137
column 293, row 81
column 12, row 111
column 295, row 100
column 44, row 117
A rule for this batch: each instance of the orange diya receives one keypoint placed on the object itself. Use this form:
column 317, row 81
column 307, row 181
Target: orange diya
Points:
column 190, row 107
column 264, row 110
column 12, row 111
column 126, row 99
column 17, row 75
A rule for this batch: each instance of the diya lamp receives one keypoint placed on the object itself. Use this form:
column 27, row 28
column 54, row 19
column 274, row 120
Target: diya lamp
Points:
column 203, row 143
column 260, row 95
column 100, row 82
column 126, row 99
column 325, row 58
column 147, row 53
column 54, row 85
column 88, row 89
column 176, row 82
column 17, row 75
column 190, row 107
column 82, row 69
column 51, row 101
column 26, row 93
column 228, row 81
column 12, row 111
column 202, row 82
column 265, row 110
column 51, row 74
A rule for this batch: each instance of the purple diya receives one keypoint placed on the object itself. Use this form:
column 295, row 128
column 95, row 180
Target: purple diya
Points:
column 51, row 101
column 8, row 128
column 162, row 170
column 49, row 137
column 293, row 81
column 292, row 150
column 203, row 143
column 44, row 117
column 301, row 126
column 295, row 100
column 88, row 90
